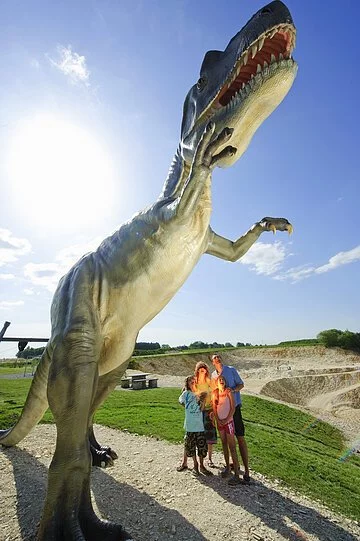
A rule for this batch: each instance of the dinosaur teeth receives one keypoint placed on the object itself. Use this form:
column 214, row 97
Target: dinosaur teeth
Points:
column 273, row 58
column 258, row 69
column 261, row 42
column 246, row 58
column 272, row 33
column 281, row 57
column 253, row 50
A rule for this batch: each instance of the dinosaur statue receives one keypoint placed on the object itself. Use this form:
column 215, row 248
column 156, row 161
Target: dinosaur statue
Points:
column 101, row 304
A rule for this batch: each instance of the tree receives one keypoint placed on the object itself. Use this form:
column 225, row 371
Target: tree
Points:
column 240, row 344
column 30, row 353
column 198, row 345
column 228, row 345
column 342, row 339
column 330, row 338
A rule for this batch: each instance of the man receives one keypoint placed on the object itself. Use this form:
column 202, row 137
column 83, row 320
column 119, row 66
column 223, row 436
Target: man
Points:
column 234, row 381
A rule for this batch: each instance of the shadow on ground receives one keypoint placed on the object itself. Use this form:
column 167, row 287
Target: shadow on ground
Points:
column 116, row 501
column 278, row 512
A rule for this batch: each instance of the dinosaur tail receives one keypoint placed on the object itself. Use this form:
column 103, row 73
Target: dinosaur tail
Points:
column 35, row 406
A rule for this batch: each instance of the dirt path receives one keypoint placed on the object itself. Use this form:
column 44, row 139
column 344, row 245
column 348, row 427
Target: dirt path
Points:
column 144, row 492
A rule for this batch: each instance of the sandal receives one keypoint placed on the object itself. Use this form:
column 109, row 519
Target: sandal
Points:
column 246, row 480
column 182, row 467
column 211, row 464
column 225, row 472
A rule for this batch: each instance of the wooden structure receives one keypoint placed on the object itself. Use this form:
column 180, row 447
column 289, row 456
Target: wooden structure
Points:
column 138, row 382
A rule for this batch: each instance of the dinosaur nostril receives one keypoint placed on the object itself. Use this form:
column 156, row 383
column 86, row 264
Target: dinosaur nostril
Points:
column 266, row 10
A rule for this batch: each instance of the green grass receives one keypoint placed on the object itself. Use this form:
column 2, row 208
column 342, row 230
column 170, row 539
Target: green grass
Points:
column 284, row 443
column 6, row 370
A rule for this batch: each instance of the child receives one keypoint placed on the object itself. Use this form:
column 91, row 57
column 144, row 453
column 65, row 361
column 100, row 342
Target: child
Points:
column 204, row 384
column 194, row 427
column 224, row 407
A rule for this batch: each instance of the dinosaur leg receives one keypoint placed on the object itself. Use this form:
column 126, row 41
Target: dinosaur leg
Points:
column 102, row 455
column 68, row 512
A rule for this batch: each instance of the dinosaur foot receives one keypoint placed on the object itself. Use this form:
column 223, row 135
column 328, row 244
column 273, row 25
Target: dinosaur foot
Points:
column 97, row 529
column 85, row 529
column 109, row 451
column 103, row 457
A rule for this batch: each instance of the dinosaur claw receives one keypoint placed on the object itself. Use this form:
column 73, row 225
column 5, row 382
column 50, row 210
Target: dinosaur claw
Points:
column 272, row 228
column 290, row 229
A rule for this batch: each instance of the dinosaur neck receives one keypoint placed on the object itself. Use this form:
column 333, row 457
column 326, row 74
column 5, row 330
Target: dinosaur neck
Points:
column 178, row 173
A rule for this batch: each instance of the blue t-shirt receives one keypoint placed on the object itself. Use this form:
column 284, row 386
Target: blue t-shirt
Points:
column 193, row 414
column 232, row 379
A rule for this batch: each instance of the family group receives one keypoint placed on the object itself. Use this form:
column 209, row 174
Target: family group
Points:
column 213, row 403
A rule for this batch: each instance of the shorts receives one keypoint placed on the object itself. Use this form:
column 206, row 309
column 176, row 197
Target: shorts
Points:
column 229, row 428
column 238, row 422
column 209, row 427
column 195, row 440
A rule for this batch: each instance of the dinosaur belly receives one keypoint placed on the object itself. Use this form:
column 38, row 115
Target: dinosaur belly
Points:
column 136, row 302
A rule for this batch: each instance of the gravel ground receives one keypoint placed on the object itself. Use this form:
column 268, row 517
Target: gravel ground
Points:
column 154, row 502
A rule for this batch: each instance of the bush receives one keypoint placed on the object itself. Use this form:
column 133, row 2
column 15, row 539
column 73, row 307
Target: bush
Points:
column 342, row 339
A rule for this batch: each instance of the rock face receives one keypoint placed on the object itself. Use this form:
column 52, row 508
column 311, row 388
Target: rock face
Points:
column 325, row 390
column 252, row 359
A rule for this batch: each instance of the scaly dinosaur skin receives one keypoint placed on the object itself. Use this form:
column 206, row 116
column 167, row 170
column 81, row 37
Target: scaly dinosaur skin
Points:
column 102, row 303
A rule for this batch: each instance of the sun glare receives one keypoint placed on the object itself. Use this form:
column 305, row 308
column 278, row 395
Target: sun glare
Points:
column 60, row 175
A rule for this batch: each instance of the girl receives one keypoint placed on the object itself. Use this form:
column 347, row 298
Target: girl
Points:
column 224, row 407
column 204, row 384
column 194, row 427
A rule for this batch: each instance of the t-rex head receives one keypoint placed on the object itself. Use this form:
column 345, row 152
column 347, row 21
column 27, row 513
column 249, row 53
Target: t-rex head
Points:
column 241, row 86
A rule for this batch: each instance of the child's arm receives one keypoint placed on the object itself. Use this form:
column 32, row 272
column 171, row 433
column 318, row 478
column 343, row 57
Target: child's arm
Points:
column 232, row 407
column 182, row 398
column 215, row 400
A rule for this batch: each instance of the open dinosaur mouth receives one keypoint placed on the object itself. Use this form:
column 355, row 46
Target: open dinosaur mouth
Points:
column 264, row 56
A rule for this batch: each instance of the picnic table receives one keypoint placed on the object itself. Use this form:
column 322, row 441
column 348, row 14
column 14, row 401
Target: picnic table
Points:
column 139, row 381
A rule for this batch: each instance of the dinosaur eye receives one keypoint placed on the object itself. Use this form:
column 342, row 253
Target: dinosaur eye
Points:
column 201, row 83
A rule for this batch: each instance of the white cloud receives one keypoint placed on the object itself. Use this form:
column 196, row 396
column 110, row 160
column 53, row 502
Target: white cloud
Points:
column 7, row 276
column 43, row 274
column 6, row 305
column 342, row 258
column 11, row 248
column 48, row 274
column 72, row 65
column 300, row 273
column 29, row 291
column 265, row 258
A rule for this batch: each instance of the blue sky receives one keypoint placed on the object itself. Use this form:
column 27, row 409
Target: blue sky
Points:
column 91, row 103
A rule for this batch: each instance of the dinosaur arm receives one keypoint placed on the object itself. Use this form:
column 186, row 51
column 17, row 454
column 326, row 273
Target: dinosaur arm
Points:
column 234, row 250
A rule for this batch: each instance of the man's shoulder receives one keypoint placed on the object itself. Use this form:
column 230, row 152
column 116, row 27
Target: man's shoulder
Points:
column 228, row 367
column 231, row 370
